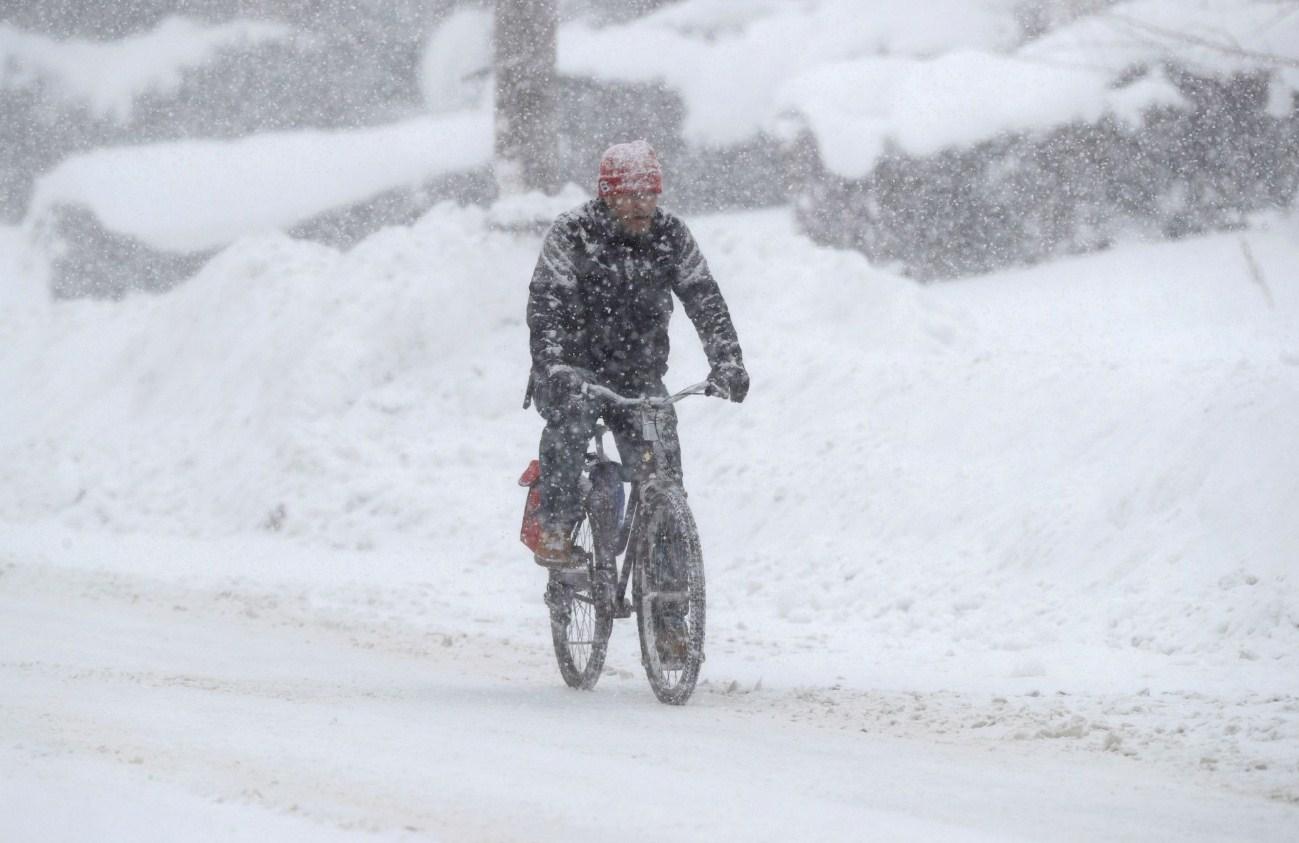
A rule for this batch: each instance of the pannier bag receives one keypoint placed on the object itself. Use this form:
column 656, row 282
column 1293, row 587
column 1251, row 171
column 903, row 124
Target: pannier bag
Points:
column 530, row 532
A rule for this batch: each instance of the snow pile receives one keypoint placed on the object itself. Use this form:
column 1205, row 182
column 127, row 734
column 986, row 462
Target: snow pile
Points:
column 198, row 194
column 1090, row 455
column 859, row 108
column 1079, row 473
column 268, row 382
column 107, row 78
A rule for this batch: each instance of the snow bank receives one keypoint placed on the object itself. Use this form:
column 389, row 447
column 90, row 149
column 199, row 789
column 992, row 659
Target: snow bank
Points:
column 1048, row 473
column 108, row 77
column 267, row 346
column 199, row 194
column 1074, row 475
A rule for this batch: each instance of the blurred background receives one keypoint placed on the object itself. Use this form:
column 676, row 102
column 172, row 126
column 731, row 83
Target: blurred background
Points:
column 139, row 137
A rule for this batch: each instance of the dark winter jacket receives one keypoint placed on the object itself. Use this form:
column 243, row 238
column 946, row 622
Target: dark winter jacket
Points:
column 600, row 298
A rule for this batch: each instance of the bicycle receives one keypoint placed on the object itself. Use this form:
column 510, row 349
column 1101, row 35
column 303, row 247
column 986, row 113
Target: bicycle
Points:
column 662, row 561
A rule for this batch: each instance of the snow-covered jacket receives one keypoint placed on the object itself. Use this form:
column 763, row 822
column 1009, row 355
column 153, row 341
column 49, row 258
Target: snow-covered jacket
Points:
column 600, row 298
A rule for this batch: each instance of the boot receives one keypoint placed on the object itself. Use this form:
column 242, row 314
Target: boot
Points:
column 555, row 549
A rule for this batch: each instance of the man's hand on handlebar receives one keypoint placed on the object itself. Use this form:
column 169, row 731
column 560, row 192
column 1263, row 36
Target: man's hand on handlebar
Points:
column 564, row 380
column 729, row 380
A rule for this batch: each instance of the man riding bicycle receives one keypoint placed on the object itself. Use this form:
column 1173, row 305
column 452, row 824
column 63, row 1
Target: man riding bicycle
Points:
column 598, row 310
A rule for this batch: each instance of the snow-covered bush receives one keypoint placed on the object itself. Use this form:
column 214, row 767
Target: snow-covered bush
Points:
column 58, row 97
column 1024, row 197
column 113, row 220
column 185, row 78
column 1149, row 117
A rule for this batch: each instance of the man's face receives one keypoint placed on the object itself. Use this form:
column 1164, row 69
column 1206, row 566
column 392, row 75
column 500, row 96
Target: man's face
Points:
column 634, row 211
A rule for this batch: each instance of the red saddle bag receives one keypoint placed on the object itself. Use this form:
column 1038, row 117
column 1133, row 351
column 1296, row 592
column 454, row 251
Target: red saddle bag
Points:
column 530, row 532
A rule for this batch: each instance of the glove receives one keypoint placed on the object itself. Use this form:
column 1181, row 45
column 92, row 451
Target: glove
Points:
column 564, row 381
column 731, row 379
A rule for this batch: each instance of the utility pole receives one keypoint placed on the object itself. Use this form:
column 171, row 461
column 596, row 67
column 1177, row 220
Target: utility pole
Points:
column 527, row 95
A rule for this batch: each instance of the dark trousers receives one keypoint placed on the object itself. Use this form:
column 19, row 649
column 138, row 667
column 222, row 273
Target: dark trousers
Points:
column 570, row 422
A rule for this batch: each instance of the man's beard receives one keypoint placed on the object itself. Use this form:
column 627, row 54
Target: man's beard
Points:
column 643, row 234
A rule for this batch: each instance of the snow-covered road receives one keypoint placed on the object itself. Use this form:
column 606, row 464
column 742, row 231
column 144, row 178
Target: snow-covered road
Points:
column 138, row 707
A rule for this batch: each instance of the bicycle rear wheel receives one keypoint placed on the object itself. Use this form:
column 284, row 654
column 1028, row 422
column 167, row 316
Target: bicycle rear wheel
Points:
column 668, row 590
column 580, row 615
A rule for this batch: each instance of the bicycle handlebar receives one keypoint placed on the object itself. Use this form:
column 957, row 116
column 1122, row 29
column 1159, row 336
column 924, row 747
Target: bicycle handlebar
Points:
column 701, row 388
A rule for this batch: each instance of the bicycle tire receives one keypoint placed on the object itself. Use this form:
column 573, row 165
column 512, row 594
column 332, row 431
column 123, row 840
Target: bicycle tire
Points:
column 581, row 617
column 669, row 572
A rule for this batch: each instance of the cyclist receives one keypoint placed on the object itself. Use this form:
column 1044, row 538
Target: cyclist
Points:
column 598, row 310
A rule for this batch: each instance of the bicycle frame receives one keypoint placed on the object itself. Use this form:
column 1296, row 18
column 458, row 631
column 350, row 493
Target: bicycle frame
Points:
column 640, row 476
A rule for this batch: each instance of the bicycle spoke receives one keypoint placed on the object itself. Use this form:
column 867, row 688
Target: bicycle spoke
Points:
column 580, row 627
column 671, row 599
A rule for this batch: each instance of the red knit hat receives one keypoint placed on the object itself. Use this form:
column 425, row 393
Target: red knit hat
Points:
column 630, row 168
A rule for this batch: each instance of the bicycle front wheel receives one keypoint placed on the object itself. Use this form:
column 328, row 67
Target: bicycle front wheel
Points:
column 580, row 615
column 668, row 590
